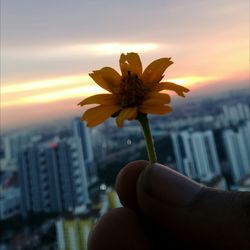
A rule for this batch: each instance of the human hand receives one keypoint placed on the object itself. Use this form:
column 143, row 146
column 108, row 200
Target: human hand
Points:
column 166, row 210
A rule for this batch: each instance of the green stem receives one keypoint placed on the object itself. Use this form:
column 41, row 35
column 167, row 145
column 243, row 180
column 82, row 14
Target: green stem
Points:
column 143, row 119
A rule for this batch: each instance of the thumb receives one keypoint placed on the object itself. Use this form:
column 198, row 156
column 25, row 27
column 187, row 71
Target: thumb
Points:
column 192, row 212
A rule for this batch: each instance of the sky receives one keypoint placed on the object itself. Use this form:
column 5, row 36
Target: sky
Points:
column 48, row 48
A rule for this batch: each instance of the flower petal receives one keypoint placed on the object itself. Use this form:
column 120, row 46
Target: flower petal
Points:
column 106, row 99
column 107, row 78
column 155, row 109
column 99, row 114
column 180, row 90
column 131, row 62
column 154, row 71
column 155, row 98
column 127, row 113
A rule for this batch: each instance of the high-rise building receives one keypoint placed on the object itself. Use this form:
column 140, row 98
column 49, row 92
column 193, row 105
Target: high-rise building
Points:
column 212, row 152
column 200, row 154
column 235, row 114
column 244, row 130
column 52, row 177
column 80, row 131
column 237, row 151
column 14, row 143
column 72, row 234
column 9, row 202
column 196, row 154
column 187, row 153
column 99, row 142
column 177, row 150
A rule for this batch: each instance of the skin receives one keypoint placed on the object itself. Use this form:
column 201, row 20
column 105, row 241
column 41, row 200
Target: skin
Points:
column 164, row 208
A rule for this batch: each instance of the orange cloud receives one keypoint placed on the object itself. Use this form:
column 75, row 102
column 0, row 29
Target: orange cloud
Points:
column 70, row 87
column 79, row 50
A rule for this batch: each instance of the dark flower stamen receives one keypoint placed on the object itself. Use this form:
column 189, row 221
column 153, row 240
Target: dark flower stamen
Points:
column 131, row 92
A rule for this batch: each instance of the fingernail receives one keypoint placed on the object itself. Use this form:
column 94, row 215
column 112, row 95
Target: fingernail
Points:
column 169, row 186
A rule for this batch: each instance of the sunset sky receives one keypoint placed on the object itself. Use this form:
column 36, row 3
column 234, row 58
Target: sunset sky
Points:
column 48, row 48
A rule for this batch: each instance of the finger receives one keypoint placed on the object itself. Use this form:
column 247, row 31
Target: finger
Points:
column 126, row 183
column 118, row 229
column 192, row 212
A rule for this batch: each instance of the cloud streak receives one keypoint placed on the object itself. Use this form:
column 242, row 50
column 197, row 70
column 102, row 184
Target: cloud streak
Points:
column 45, row 84
column 69, row 87
column 77, row 50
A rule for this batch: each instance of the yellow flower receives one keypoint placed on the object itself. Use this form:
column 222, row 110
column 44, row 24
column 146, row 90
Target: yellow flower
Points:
column 134, row 91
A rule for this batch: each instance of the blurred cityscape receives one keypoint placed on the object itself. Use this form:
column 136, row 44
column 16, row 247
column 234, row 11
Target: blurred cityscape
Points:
column 56, row 181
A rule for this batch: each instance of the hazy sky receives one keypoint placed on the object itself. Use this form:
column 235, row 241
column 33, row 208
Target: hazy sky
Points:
column 48, row 47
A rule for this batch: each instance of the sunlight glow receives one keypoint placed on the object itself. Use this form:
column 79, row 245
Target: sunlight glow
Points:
column 117, row 48
column 55, row 96
column 81, row 86
column 80, row 92
column 79, row 50
column 44, row 84
column 192, row 80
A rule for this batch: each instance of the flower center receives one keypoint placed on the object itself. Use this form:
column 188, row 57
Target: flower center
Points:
column 131, row 92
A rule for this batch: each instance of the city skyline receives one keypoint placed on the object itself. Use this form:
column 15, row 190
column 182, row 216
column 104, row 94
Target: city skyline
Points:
column 48, row 49
column 49, row 178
